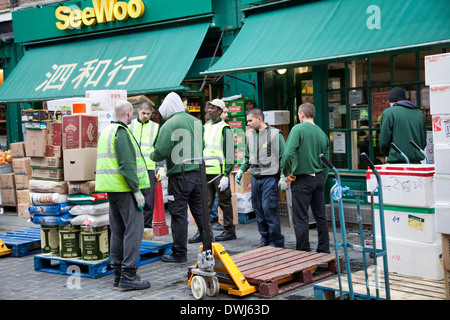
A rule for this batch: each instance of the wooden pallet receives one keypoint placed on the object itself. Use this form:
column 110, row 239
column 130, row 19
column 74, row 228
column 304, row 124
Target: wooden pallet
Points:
column 23, row 242
column 402, row 287
column 277, row 270
column 150, row 251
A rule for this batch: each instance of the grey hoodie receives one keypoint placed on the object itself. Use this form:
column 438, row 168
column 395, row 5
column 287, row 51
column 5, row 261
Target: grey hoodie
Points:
column 171, row 105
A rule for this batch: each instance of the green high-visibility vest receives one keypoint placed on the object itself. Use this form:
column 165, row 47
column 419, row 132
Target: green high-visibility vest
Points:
column 145, row 134
column 108, row 177
column 213, row 146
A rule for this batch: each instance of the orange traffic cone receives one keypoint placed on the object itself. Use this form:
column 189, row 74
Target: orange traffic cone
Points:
column 160, row 227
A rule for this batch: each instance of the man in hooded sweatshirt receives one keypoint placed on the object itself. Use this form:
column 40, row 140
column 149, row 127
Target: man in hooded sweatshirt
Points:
column 180, row 138
column 400, row 124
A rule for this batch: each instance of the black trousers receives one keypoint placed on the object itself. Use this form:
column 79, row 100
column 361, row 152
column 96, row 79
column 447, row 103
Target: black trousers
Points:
column 224, row 202
column 149, row 195
column 184, row 194
column 309, row 191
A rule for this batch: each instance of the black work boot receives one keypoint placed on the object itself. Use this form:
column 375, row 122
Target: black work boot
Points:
column 129, row 280
column 117, row 273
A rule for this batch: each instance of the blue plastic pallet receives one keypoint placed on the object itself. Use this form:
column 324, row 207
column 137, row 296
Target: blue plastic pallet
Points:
column 23, row 242
column 150, row 251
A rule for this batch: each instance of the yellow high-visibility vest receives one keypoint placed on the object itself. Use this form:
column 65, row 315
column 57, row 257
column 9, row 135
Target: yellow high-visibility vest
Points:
column 107, row 176
column 145, row 134
column 213, row 146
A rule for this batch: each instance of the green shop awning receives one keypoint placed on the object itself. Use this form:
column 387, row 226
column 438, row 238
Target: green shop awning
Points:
column 329, row 30
column 139, row 62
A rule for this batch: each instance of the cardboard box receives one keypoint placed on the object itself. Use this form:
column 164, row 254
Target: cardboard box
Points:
column 237, row 122
column 80, row 164
column 441, row 129
column 46, row 162
column 80, row 131
column 244, row 202
column 436, row 69
column 21, row 166
column 445, row 238
column 442, row 216
column 36, row 140
column 235, row 210
column 54, row 133
column 48, row 174
column 439, row 99
column 22, row 181
column 23, row 197
column 9, row 197
column 53, row 151
column 18, row 149
column 7, row 181
column 246, row 184
column 22, row 210
column 442, row 158
column 37, row 115
column 276, row 117
column 447, row 284
column 105, row 100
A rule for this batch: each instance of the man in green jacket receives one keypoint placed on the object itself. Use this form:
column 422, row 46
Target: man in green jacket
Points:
column 400, row 124
column 180, row 138
column 301, row 163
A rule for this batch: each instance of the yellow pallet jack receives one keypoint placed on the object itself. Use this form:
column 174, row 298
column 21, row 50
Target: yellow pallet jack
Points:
column 4, row 250
column 215, row 269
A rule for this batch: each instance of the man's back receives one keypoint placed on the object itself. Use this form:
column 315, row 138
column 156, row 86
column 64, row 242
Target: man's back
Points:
column 400, row 124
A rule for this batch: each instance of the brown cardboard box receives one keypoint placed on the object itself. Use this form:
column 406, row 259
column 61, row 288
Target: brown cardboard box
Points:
column 22, row 181
column 445, row 238
column 7, row 181
column 18, row 149
column 79, row 164
column 232, row 182
column 235, row 210
column 36, row 141
column 53, row 151
column 23, row 196
column 21, row 166
column 447, row 284
column 54, row 133
column 55, row 174
column 46, row 162
column 22, row 211
column 9, row 197
column 246, row 183
column 80, row 131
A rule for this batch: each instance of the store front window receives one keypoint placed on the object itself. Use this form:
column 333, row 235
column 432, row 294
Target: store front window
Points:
column 357, row 96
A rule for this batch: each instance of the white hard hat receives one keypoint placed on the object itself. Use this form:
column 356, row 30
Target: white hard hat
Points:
column 218, row 103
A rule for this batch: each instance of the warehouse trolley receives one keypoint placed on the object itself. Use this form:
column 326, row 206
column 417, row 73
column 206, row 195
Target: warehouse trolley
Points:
column 420, row 150
column 204, row 279
column 337, row 192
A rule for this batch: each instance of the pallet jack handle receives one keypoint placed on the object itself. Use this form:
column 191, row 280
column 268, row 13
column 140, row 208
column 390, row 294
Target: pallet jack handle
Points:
column 415, row 145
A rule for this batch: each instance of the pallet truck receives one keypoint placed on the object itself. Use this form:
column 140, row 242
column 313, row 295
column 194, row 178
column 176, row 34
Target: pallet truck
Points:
column 337, row 192
column 215, row 269
column 4, row 250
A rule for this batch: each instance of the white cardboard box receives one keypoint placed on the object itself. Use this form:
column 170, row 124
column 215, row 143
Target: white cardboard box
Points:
column 404, row 185
column 105, row 100
column 74, row 105
column 440, row 98
column 408, row 223
column 413, row 258
column 244, row 202
column 441, row 128
column 437, row 69
column 276, row 117
column 441, row 188
column 442, row 158
column 443, row 217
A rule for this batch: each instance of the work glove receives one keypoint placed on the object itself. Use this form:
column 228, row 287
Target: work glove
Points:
column 282, row 184
column 223, row 184
column 239, row 176
column 161, row 175
column 140, row 200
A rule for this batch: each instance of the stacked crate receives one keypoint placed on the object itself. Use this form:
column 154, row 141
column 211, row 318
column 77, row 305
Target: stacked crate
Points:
column 437, row 77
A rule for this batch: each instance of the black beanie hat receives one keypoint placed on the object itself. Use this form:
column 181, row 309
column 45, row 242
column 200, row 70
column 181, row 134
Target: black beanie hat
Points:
column 396, row 94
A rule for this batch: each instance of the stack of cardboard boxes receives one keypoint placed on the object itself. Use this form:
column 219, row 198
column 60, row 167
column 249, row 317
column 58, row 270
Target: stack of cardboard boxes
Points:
column 437, row 77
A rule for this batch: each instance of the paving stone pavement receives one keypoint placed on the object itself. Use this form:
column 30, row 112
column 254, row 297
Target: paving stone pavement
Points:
column 19, row 280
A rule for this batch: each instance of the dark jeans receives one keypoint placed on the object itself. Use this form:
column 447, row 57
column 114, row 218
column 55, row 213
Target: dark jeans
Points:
column 184, row 193
column 149, row 195
column 265, row 204
column 127, row 227
column 224, row 202
column 308, row 191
